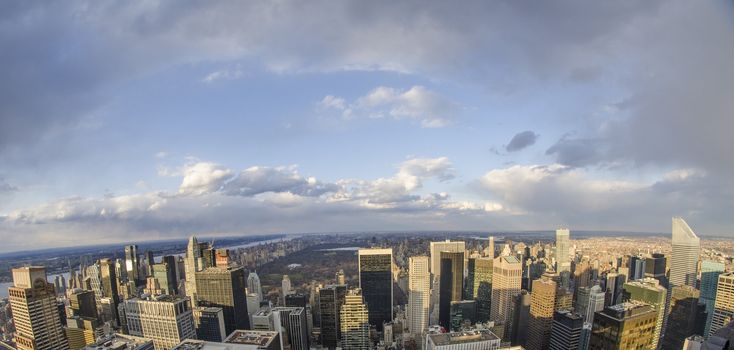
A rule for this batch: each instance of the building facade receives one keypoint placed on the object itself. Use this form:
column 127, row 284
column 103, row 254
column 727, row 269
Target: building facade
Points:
column 375, row 281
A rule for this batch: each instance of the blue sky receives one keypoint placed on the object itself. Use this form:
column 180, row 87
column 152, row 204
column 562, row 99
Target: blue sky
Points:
column 146, row 120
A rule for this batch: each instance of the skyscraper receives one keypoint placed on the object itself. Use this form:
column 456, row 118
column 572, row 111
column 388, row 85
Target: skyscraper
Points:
column 419, row 294
column 199, row 256
column 636, row 268
column 490, row 248
column 166, row 276
column 375, row 281
column 340, row 278
column 649, row 291
column 35, row 312
column 132, row 264
column 479, row 282
column 286, row 287
column 686, row 250
column 164, row 319
column 253, row 285
column 687, row 317
column 83, row 303
column 450, row 285
column 563, row 260
column 547, row 298
column 724, row 304
column 506, row 282
column 225, row 288
column 290, row 323
column 566, row 331
column 630, row 325
column 590, row 300
column 355, row 325
column 209, row 323
column 447, row 246
column 710, row 271
column 108, row 282
column 331, row 299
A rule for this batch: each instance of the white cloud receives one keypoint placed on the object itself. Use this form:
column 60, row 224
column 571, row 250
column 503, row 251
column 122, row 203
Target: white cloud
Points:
column 430, row 109
column 203, row 177
column 234, row 73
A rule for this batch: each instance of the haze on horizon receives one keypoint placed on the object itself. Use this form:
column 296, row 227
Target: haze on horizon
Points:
column 155, row 120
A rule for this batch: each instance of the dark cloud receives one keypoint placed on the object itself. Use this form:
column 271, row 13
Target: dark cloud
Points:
column 6, row 187
column 521, row 140
column 576, row 151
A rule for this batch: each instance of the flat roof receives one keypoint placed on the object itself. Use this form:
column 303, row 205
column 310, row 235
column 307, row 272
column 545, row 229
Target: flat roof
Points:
column 260, row 338
column 463, row 337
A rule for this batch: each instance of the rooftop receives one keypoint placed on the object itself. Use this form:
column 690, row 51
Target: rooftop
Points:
column 118, row 342
column 260, row 338
column 463, row 337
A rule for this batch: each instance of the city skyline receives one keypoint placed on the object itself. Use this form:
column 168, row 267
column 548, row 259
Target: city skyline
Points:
column 236, row 118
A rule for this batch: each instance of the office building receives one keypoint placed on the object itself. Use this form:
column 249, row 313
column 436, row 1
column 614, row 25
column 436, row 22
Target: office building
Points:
column 209, row 323
column 490, row 251
column 547, row 298
column 655, row 267
column 82, row 303
column 506, row 282
column 479, row 285
column 520, row 317
column 165, row 319
column 462, row 314
column 224, row 288
column 636, row 268
column 590, row 300
column 262, row 320
column 81, row 331
column 710, row 271
column 629, row 325
column 165, row 276
column 331, row 299
column 684, row 259
column 687, row 317
column 199, row 256
column 108, row 282
column 291, row 325
column 447, row 246
column 296, row 300
column 340, row 277
column 375, row 281
column 563, row 259
column 724, row 304
column 464, row 340
column 253, row 285
column 566, row 331
column 117, row 341
column 250, row 340
column 35, row 312
column 419, row 294
column 286, row 287
column 650, row 292
column 450, row 285
column 355, row 324
column 132, row 264
column 614, row 284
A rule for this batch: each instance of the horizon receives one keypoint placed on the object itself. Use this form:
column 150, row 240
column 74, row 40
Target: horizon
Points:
column 131, row 122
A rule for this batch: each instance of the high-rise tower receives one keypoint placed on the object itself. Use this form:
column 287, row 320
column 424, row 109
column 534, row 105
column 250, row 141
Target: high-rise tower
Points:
column 132, row 264
column 35, row 311
column 375, row 280
column 686, row 250
column 355, row 326
column 710, row 271
column 506, row 284
column 419, row 294
column 450, row 285
column 724, row 305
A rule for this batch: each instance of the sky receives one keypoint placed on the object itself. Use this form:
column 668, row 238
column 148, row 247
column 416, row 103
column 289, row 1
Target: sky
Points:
column 144, row 120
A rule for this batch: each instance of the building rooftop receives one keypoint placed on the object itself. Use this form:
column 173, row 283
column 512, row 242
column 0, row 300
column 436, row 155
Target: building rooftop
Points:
column 119, row 342
column 462, row 337
column 260, row 338
column 190, row 344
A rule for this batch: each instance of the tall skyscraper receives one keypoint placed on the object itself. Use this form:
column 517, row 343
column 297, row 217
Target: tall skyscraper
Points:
column 687, row 317
column 340, row 278
column 290, row 323
column 479, row 285
column 447, row 246
column 563, row 259
column 710, row 271
column 506, row 283
column 490, row 248
column 132, row 264
column 590, row 300
column 649, row 291
column 450, row 285
column 331, row 299
column 419, row 294
column 35, row 311
column 614, row 283
column 566, row 331
column 254, row 286
column 164, row 319
column 630, row 325
column 355, row 325
column 286, row 287
column 82, row 303
column 724, row 304
column 165, row 275
column 225, row 288
column 108, row 282
column 636, row 268
column 199, row 256
column 684, row 259
column 547, row 298
column 375, row 281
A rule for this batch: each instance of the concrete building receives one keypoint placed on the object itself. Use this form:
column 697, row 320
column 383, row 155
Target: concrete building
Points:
column 121, row 342
column 331, row 299
column 566, row 331
column 224, row 288
column 164, row 319
column 687, row 317
column 710, row 271
column 506, row 283
column 419, row 294
column 465, row 340
column 649, row 291
column 724, row 304
column 209, row 323
column 479, row 285
column 292, row 328
column 354, row 322
column 450, row 285
column 35, row 311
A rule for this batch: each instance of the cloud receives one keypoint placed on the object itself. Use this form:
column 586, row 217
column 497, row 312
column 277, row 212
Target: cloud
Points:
column 234, row 73
column 521, row 141
column 203, row 177
column 429, row 108
column 5, row 187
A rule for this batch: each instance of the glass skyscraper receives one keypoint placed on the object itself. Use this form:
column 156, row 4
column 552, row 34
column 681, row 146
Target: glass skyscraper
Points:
column 375, row 280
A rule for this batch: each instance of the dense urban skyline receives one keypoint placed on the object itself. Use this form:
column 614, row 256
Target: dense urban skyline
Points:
column 165, row 119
